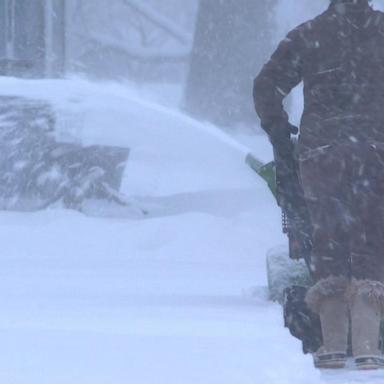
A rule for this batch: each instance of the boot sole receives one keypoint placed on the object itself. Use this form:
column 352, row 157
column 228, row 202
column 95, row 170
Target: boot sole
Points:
column 330, row 361
column 369, row 363
column 368, row 367
column 331, row 365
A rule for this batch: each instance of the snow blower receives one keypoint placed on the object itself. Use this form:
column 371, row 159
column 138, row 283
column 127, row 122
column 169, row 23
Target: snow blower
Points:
column 288, row 271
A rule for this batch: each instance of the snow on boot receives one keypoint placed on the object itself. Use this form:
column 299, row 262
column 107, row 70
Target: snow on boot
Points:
column 367, row 304
column 328, row 299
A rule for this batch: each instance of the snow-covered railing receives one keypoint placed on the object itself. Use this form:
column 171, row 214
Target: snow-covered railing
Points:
column 141, row 54
column 159, row 21
column 141, row 43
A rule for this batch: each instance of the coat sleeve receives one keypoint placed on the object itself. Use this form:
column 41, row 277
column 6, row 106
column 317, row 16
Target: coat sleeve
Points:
column 277, row 78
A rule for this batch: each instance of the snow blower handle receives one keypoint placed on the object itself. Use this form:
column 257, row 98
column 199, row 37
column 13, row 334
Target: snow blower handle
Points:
column 290, row 197
column 282, row 177
column 288, row 187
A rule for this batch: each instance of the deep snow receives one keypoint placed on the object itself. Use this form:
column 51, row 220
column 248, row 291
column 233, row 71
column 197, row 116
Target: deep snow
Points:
column 177, row 297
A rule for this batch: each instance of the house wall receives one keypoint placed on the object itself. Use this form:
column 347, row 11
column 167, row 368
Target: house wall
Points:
column 32, row 38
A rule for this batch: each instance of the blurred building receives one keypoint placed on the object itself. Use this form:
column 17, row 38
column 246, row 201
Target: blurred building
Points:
column 139, row 40
column 32, row 38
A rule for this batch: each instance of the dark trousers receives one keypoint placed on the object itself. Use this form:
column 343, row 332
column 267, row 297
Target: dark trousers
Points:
column 344, row 188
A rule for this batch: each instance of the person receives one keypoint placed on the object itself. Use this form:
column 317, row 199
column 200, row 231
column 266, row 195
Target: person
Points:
column 339, row 56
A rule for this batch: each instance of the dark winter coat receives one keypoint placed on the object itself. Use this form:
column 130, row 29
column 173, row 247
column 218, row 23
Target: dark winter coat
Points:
column 339, row 56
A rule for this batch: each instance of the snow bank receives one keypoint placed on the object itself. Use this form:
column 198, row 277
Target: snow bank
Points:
column 176, row 298
column 171, row 153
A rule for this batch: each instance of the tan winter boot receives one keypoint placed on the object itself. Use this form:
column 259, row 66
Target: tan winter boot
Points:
column 334, row 326
column 367, row 306
column 327, row 298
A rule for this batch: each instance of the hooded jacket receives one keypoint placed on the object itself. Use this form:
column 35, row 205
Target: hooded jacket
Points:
column 339, row 56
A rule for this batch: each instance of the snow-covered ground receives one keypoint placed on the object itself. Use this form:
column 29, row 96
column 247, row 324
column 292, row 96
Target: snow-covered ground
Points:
column 177, row 297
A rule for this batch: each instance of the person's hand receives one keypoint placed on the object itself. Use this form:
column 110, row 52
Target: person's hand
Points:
column 280, row 137
column 280, row 132
column 287, row 181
